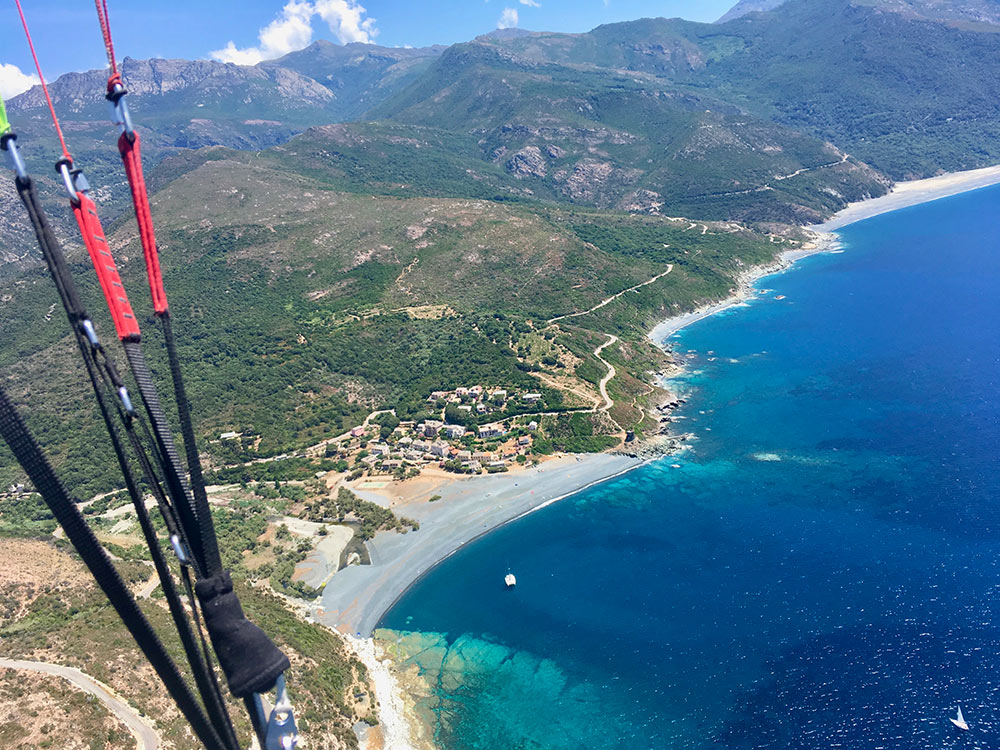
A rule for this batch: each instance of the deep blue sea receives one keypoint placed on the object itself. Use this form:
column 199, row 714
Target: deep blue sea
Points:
column 822, row 571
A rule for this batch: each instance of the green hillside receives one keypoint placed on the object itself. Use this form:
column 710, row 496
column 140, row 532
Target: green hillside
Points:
column 320, row 270
column 909, row 97
column 600, row 137
column 893, row 87
column 301, row 308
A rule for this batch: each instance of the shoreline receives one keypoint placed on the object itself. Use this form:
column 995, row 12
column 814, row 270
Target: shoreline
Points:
column 903, row 195
column 911, row 193
column 822, row 242
column 357, row 597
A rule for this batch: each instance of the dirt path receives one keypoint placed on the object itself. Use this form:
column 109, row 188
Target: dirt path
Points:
column 149, row 587
column 613, row 297
column 545, row 378
column 603, row 385
column 797, row 172
column 145, row 735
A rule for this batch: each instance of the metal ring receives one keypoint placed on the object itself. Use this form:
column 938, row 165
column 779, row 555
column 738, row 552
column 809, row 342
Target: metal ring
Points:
column 64, row 169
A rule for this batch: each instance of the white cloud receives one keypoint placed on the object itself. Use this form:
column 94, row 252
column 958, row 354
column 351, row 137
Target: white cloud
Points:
column 13, row 81
column 346, row 20
column 531, row 3
column 508, row 19
column 292, row 30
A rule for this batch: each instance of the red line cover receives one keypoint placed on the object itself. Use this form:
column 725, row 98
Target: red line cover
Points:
column 104, row 264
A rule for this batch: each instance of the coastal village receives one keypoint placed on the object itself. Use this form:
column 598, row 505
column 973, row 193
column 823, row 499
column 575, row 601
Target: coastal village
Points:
column 457, row 441
column 471, row 430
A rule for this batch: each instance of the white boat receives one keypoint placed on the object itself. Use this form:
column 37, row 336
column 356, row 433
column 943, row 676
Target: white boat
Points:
column 960, row 721
column 510, row 580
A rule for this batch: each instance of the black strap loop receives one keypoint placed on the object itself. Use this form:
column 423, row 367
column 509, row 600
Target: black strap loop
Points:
column 249, row 659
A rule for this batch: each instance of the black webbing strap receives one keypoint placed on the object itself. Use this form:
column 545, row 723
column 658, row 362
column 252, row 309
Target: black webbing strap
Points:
column 199, row 660
column 49, row 245
column 195, row 516
column 177, row 484
column 210, row 545
column 31, row 458
column 201, row 669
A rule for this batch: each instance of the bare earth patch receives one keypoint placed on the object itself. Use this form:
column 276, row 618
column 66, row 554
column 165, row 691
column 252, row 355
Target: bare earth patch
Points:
column 46, row 711
column 32, row 568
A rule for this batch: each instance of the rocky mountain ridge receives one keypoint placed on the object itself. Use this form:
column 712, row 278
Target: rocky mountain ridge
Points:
column 958, row 12
column 763, row 119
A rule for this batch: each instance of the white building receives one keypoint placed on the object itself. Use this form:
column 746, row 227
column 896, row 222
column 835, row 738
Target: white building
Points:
column 492, row 430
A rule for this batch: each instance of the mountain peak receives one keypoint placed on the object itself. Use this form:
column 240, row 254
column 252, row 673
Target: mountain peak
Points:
column 506, row 34
column 750, row 6
column 963, row 13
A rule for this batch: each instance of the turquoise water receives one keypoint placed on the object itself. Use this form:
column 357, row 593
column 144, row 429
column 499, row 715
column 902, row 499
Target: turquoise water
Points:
column 821, row 571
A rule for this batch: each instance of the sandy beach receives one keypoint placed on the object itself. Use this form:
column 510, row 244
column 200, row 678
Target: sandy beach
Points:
column 911, row 193
column 904, row 194
column 356, row 598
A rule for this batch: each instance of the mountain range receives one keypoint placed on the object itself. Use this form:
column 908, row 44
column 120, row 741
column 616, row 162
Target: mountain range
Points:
column 782, row 115
column 338, row 194
column 969, row 13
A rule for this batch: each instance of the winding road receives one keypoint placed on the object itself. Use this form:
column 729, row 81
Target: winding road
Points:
column 145, row 735
column 613, row 297
column 603, row 385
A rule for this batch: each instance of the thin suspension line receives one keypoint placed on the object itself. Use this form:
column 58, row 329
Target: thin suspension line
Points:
column 102, row 16
column 38, row 67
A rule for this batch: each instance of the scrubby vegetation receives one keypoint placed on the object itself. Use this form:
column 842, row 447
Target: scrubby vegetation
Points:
column 369, row 517
column 42, row 620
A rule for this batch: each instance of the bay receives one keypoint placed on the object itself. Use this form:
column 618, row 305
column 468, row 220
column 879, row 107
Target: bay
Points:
column 820, row 571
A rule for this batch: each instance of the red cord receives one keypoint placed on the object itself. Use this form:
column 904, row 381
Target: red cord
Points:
column 102, row 16
column 55, row 120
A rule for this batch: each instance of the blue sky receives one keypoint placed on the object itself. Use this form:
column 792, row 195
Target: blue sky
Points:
column 68, row 38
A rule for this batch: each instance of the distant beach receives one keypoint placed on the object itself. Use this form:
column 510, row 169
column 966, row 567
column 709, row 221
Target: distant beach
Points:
column 903, row 194
column 822, row 242
column 911, row 193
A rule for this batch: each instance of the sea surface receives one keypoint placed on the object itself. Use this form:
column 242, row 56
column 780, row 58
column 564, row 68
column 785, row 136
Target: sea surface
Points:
column 823, row 568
